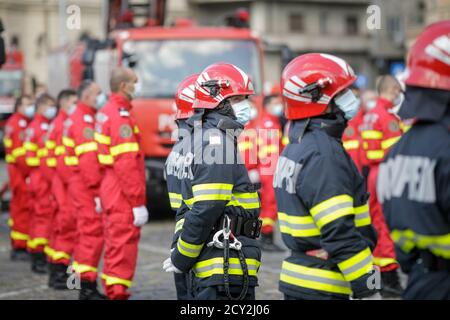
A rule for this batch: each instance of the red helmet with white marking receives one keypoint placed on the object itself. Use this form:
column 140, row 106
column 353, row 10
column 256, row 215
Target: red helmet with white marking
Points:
column 218, row 82
column 185, row 97
column 310, row 81
column 429, row 58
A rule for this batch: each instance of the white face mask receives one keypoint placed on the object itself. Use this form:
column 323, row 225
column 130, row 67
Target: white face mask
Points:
column 30, row 111
column 397, row 103
column 51, row 112
column 348, row 103
column 253, row 113
column 100, row 100
column 370, row 104
column 277, row 110
column 242, row 111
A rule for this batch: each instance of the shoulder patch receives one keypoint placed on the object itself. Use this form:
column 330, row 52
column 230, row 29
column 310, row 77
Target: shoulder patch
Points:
column 68, row 123
column 349, row 131
column 124, row 112
column 44, row 126
column 22, row 123
column 125, row 131
column 101, row 117
column 88, row 133
column 29, row 133
column 393, row 126
column 88, row 118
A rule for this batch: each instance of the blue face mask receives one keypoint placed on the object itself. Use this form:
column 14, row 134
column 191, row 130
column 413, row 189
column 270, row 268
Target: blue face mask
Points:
column 30, row 111
column 348, row 103
column 100, row 101
column 242, row 111
column 51, row 112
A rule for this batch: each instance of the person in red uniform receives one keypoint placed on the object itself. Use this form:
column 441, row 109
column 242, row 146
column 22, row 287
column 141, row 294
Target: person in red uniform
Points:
column 18, row 171
column 123, row 188
column 84, row 183
column 381, row 129
column 62, row 239
column 269, row 148
column 39, row 186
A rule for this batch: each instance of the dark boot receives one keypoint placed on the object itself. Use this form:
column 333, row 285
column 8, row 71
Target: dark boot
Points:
column 267, row 243
column 39, row 262
column 58, row 276
column 391, row 285
column 89, row 291
column 51, row 275
column 19, row 255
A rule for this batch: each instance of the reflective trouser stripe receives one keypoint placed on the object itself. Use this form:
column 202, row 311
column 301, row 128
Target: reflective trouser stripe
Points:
column 386, row 144
column 71, row 161
column 101, row 138
column 362, row 216
column 179, row 225
column 30, row 146
column 42, row 153
column 18, row 152
column 16, row 235
column 124, row 148
column 297, row 226
column 50, row 144
column 34, row 243
column 110, row 281
column 51, row 162
column 10, row 159
column 383, row 262
column 68, row 142
column 207, row 268
column 86, row 147
column 375, row 154
column 106, row 159
column 267, row 222
column 314, row 278
column 372, row 134
column 32, row 161
column 357, row 266
column 351, row 144
column 82, row 268
column 175, row 200
column 60, row 150
column 188, row 249
column 332, row 209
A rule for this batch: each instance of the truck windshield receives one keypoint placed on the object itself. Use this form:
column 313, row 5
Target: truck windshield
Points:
column 10, row 83
column 163, row 64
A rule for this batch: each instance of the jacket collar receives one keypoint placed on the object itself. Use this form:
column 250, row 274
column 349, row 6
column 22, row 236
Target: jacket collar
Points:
column 84, row 108
column 334, row 126
column 40, row 118
column 213, row 119
column 120, row 101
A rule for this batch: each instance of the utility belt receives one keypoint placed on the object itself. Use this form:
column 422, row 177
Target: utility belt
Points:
column 241, row 226
column 432, row 262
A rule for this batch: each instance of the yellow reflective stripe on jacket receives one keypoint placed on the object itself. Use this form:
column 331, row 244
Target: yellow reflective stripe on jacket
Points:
column 136, row 129
column 175, row 200
column 16, row 235
column 51, row 162
column 34, row 243
column 372, row 134
column 212, row 191
column 362, row 216
column 351, row 144
column 383, row 262
column 179, row 225
column 71, row 161
column 86, row 147
column 32, row 161
column 267, row 222
column 114, row 280
column 266, row 150
column 18, row 152
column 49, row 251
column 58, row 255
column 101, row 138
column 7, row 142
column 189, row 250
column 314, row 278
column 43, row 152
column 10, row 159
column 30, row 146
column 124, row 148
column 297, row 226
column 375, row 154
column 245, row 145
column 358, row 265
column 210, row 267
column 82, row 268
column 407, row 240
column 386, row 144
column 285, row 140
column 60, row 150
column 246, row 200
column 50, row 144
column 68, row 142
column 105, row 159
column 332, row 209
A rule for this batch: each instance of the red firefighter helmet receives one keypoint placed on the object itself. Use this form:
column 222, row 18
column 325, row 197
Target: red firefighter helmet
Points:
column 218, row 82
column 310, row 81
column 429, row 58
column 185, row 97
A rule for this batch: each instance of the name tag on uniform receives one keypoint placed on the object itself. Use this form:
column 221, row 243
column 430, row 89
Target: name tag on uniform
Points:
column 124, row 112
column 88, row 118
column 44, row 126
column 22, row 123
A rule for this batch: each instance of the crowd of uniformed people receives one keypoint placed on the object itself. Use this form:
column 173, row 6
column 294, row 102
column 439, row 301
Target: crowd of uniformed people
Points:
column 358, row 181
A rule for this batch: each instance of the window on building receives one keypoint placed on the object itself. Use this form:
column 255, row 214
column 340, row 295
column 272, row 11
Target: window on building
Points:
column 296, row 22
column 351, row 25
column 323, row 23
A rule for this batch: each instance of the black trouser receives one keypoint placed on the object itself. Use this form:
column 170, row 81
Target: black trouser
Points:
column 182, row 285
column 427, row 285
column 218, row 293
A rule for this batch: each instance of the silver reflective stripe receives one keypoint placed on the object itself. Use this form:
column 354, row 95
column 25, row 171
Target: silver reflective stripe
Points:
column 298, row 226
column 361, row 216
column 211, row 191
column 357, row 266
column 220, row 266
column 193, row 251
column 333, row 209
column 308, row 277
column 245, row 200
